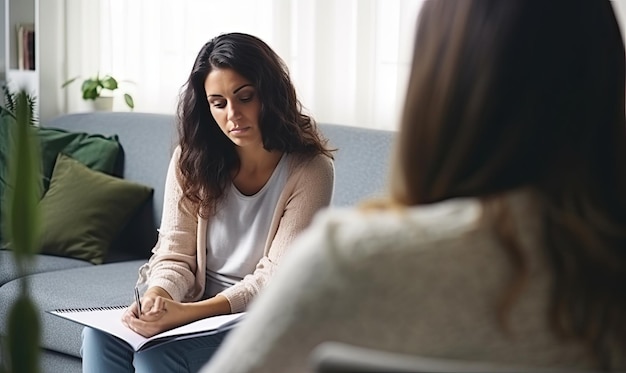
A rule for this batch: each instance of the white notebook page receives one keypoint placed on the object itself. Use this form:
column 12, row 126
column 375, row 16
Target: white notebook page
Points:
column 109, row 320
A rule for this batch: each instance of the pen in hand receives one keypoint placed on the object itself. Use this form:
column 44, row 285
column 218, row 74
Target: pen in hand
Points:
column 137, row 299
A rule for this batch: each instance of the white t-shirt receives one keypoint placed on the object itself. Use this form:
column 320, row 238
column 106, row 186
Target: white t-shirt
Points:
column 237, row 233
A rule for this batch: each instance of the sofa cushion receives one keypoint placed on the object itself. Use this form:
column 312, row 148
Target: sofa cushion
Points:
column 85, row 210
column 98, row 152
column 94, row 286
column 93, row 150
column 147, row 141
column 41, row 263
column 361, row 162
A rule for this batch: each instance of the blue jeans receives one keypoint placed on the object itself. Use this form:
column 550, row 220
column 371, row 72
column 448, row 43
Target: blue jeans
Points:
column 104, row 353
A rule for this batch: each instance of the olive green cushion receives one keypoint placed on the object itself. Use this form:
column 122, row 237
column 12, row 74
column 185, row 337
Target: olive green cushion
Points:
column 84, row 210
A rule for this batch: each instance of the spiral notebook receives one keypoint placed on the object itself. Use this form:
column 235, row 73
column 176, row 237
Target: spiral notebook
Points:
column 108, row 320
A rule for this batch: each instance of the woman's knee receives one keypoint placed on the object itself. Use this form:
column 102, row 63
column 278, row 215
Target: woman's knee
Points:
column 102, row 352
column 187, row 355
column 91, row 339
column 159, row 359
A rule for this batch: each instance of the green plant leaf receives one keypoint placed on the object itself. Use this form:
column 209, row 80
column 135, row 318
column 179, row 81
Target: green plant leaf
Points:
column 68, row 82
column 91, row 94
column 89, row 85
column 23, row 333
column 129, row 101
column 24, row 187
column 9, row 99
column 109, row 82
column 22, row 195
column 4, row 111
column 32, row 101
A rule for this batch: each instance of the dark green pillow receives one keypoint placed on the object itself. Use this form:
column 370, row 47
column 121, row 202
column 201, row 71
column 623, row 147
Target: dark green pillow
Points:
column 94, row 151
column 84, row 210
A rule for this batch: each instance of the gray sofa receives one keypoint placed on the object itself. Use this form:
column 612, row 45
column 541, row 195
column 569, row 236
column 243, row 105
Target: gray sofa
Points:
column 147, row 141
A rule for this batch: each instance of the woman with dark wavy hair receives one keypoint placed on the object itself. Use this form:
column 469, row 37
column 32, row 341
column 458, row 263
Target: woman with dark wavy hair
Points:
column 503, row 239
column 248, row 175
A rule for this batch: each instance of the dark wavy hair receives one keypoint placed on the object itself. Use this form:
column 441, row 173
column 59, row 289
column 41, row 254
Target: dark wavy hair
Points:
column 506, row 94
column 208, row 156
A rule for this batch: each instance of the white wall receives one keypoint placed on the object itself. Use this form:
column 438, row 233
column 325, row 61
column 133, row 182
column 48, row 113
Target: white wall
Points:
column 52, row 60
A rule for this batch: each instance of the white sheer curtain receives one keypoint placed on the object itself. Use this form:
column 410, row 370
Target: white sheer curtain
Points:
column 349, row 59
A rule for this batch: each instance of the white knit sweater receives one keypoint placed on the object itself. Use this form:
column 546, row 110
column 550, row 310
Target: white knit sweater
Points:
column 425, row 281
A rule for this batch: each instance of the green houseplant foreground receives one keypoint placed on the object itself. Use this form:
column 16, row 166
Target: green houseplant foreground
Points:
column 20, row 350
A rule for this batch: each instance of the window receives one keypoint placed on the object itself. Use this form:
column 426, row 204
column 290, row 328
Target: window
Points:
column 349, row 59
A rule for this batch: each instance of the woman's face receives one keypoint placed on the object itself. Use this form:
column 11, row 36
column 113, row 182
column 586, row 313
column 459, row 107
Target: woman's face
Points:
column 235, row 106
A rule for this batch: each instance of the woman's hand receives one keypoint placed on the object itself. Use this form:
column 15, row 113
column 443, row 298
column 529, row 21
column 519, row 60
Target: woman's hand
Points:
column 147, row 302
column 164, row 314
column 161, row 313
column 158, row 313
column 152, row 300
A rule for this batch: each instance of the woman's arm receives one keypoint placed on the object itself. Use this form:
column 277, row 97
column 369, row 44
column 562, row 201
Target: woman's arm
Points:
column 172, row 266
column 310, row 189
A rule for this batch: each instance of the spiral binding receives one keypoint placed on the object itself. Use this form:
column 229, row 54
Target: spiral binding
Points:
column 89, row 309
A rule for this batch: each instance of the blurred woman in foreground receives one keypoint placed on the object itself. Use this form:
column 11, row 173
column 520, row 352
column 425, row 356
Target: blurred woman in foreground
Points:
column 504, row 235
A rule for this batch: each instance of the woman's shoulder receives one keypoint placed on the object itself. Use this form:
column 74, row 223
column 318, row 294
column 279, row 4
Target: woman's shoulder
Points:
column 176, row 154
column 315, row 161
column 312, row 166
column 413, row 228
column 451, row 226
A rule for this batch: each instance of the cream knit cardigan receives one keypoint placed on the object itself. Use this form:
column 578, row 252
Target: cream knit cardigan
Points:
column 178, row 263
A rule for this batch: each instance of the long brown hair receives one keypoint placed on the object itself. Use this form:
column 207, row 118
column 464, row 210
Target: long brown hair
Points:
column 521, row 93
column 208, row 157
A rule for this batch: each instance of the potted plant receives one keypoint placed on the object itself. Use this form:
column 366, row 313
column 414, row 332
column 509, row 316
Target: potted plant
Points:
column 92, row 90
